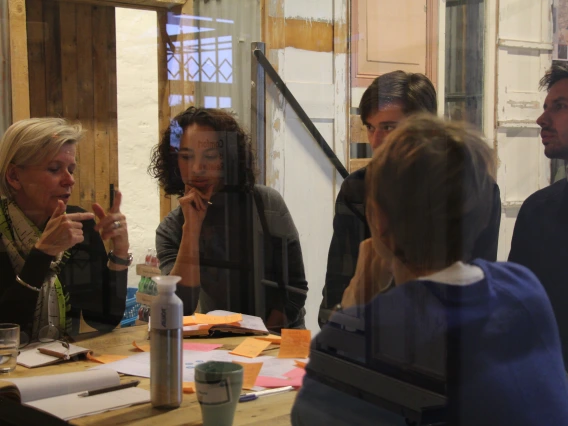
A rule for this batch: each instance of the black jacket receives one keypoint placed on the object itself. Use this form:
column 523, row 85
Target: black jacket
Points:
column 95, row 290
column 540, row 242
column 350, row 228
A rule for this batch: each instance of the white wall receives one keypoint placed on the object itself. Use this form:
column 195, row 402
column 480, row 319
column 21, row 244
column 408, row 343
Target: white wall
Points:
column 137, row 87
column 296, row 165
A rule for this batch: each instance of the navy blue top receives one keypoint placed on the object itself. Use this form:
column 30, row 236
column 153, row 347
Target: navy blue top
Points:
column 510, row 368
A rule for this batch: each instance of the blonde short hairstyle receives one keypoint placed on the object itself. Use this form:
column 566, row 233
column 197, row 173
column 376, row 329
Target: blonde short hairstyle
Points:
column 31, row 141
column 434, row 182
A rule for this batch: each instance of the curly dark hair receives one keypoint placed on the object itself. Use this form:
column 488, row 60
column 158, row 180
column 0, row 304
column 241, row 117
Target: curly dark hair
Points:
column 557, row 72
column 237, row 150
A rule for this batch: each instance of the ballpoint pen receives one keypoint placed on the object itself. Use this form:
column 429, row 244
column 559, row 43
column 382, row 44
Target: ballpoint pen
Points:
column 254, row 395
column 110, row 388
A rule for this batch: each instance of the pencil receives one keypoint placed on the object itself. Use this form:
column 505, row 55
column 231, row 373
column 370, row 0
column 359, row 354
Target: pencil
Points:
column 110, row 388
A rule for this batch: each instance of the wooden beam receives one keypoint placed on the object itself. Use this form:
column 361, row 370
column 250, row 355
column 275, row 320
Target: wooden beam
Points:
column 315, row 36
column 358, row 132
column 19, row 60
column 358, row 163
column 133, row 4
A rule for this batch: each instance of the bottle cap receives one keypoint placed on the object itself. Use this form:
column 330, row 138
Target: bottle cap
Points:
column 166, row 283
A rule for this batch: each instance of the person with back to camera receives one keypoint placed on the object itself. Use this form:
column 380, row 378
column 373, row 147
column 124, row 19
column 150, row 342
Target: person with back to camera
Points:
column 488, row 326
column 386, row 103
column 206, row 159
column 54, row 264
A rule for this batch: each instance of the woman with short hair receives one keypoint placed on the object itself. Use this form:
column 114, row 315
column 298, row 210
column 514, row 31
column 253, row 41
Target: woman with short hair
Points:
column 54, row 264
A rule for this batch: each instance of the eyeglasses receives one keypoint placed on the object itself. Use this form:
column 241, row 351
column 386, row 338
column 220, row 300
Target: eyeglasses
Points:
column 47, row 334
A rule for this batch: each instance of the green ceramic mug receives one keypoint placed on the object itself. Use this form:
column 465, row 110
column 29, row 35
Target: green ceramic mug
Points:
column 218, row 386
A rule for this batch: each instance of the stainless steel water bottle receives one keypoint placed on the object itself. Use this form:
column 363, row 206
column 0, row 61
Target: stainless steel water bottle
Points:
column 166, row 324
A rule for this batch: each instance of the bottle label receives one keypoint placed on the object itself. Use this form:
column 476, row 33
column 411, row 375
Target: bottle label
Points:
column 166, row 316
column 213, row 393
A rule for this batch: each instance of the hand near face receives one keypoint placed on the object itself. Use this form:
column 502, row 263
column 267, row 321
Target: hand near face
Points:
column 194, row 206
column 62, row 231
column 372, row 276
column 113, row 225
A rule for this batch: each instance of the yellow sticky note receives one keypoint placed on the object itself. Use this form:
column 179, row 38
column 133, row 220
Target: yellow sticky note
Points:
column 188, row 387
column 250, row 373
column 217, row 319
column 105, row 359
column 251, row 348
column 300, row 364
column 272, row 339
column 295, row 343
column 143, row 348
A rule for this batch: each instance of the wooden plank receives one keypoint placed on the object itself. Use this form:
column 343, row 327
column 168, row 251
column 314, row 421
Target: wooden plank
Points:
column 36, row 57
column 432, row 41
column 101, row 96
column 69, row 78
column 358, row 132
column 315, row 36
column 19, row 60
column 358, row 163
column 132, row 4
column 113, row 107
column 53, row 59
column 68, row 38
column 86, row 99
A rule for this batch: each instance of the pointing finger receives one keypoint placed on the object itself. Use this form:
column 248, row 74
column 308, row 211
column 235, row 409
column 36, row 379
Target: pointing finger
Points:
column 116, row 202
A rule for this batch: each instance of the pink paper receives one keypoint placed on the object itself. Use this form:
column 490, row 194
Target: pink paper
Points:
column 273, row 382
column 296, row 372
column 201, row 347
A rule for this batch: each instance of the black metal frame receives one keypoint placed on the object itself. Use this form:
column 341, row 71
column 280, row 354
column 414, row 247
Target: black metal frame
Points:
column 310, row 126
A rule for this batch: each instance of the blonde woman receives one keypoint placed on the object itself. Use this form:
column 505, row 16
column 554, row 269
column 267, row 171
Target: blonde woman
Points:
column 53, row 261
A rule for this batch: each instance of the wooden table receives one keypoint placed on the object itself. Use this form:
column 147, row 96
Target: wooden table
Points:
column 273, row 410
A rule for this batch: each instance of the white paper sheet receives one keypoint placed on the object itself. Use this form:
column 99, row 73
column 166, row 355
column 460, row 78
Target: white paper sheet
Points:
column 248, row 321
column 40, row 387
column 72, row 406
column 139, row 364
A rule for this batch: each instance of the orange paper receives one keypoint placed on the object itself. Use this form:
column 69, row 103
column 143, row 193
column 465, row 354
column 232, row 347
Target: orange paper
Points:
column 189, row 320
column 250, row 373
column 105, row 359
column 188, row 387
column 300, row 364
column 215, row 319
column 272, row 339
column 295, row 343
column 143, row 348
column 251, row 348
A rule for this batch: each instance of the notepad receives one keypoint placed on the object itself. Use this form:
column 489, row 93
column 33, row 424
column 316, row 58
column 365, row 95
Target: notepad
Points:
column 31, row 358
column 250, row 373
column 251, row 348
column 295, row 343
column 71, row 406
column 58, row 394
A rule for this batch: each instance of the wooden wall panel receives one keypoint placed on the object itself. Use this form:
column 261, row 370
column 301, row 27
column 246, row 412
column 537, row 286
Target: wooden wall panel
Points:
column 72, row 65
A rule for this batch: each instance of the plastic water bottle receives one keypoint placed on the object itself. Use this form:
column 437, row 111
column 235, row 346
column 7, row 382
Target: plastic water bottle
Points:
column 166, row 345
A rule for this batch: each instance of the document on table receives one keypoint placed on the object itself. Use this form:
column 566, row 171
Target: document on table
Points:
column 139, row 364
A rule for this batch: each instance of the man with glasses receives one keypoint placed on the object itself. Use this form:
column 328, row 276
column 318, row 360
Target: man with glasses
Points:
column 385, row 103
column 540, row 237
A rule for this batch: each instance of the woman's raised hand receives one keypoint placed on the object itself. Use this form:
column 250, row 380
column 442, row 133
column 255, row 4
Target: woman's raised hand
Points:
column 113, row 225
column 194, row 206
column 62, row 231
